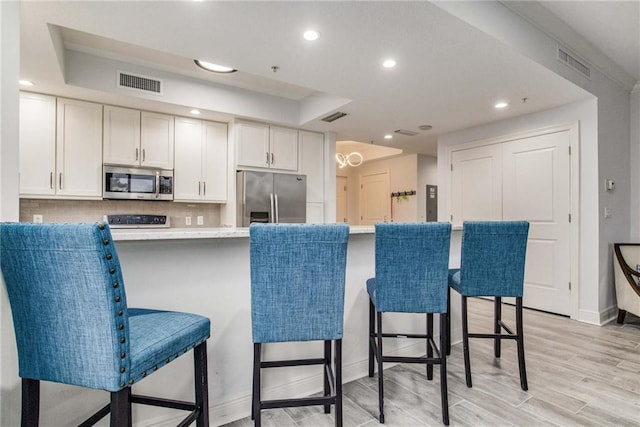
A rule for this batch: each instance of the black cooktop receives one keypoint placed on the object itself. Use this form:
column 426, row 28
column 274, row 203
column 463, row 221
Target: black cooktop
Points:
column 137, row 221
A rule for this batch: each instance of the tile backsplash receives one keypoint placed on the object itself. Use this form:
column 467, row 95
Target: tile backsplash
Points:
column 53, row 210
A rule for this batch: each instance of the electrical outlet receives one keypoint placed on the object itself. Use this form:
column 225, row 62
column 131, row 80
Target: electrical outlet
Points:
column 607, row 212
column 187, row 220
column 200, row 220
column 37, row 219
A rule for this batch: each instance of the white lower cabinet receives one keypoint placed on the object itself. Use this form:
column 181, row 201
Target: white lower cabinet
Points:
column 200, row 171
column 60, row 156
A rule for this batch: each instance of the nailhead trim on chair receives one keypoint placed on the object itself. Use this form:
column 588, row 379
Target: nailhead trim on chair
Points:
column 109, row 249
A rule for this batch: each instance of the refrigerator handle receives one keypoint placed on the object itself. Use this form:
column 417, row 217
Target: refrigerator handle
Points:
column 272, row 213
column 277, row 213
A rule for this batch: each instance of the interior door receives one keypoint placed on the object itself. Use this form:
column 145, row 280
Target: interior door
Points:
column 476, row 184
column 374, row 198
column 536, row 188
column 341, row 199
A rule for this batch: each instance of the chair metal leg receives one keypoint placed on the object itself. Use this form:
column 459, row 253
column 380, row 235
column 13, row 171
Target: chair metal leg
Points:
column 448, row 321
column 429, row 347
column 327, row 363
column 338, row 364
column 497, row 317
column 255, row 404
column 201, row 384
column 380, row 368
column 465, row 342
column 443, row 370
column 121, row 408
column 520, row 340
column 621, row 316
column 30, row 403
column 372, row 331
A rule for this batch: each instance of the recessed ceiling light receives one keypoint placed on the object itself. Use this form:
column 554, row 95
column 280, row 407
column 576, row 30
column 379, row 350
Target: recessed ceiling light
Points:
column 389, row 63
column 214, row 67
column 194, row 111
column 425, row 127
column 310, row 35
column 388, row 136
column 501, row 104
column 25, row 83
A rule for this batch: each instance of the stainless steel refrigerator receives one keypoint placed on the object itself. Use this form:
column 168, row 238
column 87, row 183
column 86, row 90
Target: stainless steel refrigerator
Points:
column 270, row 197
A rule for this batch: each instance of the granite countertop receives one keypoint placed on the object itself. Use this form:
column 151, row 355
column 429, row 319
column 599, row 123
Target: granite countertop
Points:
column 139, row 234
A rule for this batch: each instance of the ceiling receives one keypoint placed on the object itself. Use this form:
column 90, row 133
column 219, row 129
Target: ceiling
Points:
column 448, row 74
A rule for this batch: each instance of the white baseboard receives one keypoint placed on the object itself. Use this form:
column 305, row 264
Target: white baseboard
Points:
column 598, row 318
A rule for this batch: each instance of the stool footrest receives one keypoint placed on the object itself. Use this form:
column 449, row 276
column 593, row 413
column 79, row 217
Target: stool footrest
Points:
column 293, row 403
column 164, row 403
column 421, row 336
column 501, row 336
column 405, row 359
column 298, row 362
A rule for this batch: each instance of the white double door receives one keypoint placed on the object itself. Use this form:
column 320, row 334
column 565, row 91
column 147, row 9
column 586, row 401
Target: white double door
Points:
column 524, row 179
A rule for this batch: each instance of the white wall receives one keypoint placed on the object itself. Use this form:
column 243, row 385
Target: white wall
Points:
column 403, row 176
column 9, row 99
column 586, row 113
column 635, row 164
column 613, row 130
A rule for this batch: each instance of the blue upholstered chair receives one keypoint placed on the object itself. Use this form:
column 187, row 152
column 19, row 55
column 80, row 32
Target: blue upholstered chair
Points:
column 73, row 326
column 492, row 265
column 297, row 294
column 412, row 261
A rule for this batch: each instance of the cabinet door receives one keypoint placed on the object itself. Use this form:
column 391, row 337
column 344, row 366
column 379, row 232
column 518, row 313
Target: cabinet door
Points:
column 37, row 144
column 156, row 140
column 284, row 148
column 188, row 159
column 214, row 158
column 312, row 164
column 252, row 145
column 121, row 136
column 79, row 149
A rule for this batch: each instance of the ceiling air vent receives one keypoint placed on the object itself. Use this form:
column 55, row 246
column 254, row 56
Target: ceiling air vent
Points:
column 571, row 61
column 333, row 117
column 140, row 83
column 405, row 132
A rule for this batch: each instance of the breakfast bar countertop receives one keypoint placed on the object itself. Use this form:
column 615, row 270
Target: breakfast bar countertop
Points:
column 138, row 234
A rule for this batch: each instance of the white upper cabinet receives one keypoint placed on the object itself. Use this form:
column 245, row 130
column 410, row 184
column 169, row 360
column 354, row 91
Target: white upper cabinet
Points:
column 60, row 148
column 134, row 138
column 200, row 161
column 37, row 145
column 262, row 146
column 284, row 148
column 79, row 149
column 156, row 140
column 121, row 136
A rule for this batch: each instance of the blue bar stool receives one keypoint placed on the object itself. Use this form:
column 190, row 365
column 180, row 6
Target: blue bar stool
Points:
column 297, row 294
column 492, row 265
column 73, row 326
column 412, row 261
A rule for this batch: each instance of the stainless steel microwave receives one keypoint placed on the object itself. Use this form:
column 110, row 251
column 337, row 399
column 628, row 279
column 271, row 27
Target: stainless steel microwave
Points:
column 137, row 183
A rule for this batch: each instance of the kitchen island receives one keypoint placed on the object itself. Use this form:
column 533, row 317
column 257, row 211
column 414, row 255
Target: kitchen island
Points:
column 206, row 271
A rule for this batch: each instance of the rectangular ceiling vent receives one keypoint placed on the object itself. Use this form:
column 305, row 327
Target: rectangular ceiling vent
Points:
column 571, row 61
column 405, row 132
column 139, row 83
column 333, row 117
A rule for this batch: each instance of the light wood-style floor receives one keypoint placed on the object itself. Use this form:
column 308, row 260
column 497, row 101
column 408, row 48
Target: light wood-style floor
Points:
column 579, row 375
